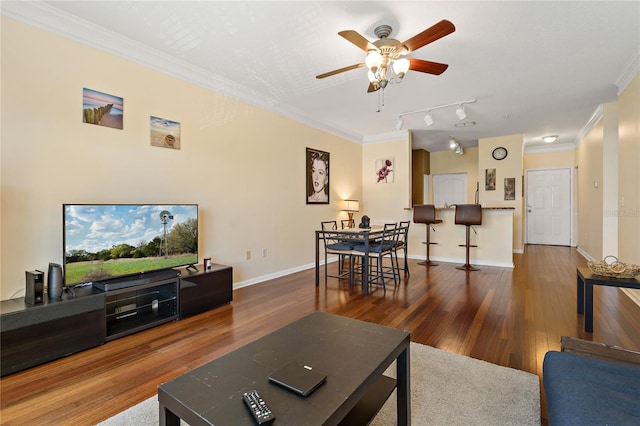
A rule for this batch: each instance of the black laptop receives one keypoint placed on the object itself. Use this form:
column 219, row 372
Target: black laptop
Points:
column 301, row 379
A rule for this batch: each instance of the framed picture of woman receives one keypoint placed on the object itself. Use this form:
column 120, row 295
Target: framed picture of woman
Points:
column 317, row 177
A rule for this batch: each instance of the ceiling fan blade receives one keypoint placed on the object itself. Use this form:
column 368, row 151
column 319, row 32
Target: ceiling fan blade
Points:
column 338, row 71
column 373, row 87
column 355, row 38
column 429, row 35
column 429, row 67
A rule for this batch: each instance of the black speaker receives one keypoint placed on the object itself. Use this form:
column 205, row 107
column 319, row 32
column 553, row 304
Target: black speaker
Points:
column 35, row 287
column 54, row 281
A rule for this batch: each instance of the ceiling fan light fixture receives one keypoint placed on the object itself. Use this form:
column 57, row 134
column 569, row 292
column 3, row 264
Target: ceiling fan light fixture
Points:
column 401, row 66
column 550, row 138
column 373, row 60
column 372, row 77
column 428, row 119
column 461, row 113
column 399, row 124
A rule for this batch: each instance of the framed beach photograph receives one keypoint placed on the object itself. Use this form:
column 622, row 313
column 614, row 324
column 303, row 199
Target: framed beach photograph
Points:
column 384, row 170
column 509, row 188
column 165, row 133
column 102, row 109
column 317, row 176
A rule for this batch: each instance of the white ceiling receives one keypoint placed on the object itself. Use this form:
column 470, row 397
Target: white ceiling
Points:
column 536, row 68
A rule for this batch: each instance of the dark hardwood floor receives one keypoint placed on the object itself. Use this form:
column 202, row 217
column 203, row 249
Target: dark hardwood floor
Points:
column 507, row 317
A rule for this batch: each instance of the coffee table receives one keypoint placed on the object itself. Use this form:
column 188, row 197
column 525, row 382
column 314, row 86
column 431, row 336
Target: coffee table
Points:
column 353, row 354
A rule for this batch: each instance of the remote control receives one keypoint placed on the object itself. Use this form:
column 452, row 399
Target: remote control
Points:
column 261, row 413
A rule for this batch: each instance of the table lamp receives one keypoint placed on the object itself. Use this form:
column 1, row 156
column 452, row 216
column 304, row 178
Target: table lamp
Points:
column 351, row 206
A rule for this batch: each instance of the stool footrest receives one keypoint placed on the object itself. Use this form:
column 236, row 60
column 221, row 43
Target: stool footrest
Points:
column 464, row 245
column 430, row 242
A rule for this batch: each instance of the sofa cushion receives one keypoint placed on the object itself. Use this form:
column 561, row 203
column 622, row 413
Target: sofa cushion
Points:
column 585, row 391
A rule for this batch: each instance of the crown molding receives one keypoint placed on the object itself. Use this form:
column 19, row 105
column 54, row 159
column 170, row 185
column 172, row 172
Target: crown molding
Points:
column 51, row 19
column 552, row 147
column 386, row 137
column 590, row 124
column 629, row 72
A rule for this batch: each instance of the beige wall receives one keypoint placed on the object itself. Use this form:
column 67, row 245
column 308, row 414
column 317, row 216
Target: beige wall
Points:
column 444, row 162
column 245, row 167
column 629, row 173
column 386, row 202
column 589, row 188
column 510, row 167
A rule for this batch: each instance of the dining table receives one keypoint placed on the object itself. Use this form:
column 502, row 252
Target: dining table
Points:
column 364, row 236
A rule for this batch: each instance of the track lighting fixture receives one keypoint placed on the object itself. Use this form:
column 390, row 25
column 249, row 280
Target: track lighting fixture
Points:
column 453, row 144
column 399, row 123
column 428, row 118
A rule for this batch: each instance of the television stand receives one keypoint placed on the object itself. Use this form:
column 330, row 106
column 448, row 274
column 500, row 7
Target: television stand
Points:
column 135, row 304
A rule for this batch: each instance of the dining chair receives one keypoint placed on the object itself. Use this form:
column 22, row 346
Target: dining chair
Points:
column 401, row 244
column 346, row 223
column 334, row 245
column 384, row 246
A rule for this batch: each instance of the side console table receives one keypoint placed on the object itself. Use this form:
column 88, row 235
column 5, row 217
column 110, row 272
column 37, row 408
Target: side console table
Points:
column 585, row 281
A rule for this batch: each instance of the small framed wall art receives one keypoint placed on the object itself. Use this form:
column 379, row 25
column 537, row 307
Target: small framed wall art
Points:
column 164, row 133
column 317, row 176
column 102, row 109
column 384, row 170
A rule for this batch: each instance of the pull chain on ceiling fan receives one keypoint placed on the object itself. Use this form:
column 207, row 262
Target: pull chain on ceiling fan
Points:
column 385, row 57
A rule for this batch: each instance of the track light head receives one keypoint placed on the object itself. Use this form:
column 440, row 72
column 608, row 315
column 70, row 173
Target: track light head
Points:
column 399, row 123
column 453, row 144
column 428, row 119
column 461, row 113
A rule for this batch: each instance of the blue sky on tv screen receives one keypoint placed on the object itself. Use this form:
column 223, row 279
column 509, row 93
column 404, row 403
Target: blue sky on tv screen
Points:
column 97, row 227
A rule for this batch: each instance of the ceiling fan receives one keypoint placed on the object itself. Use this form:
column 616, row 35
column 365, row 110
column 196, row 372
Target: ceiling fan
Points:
column 385, row 57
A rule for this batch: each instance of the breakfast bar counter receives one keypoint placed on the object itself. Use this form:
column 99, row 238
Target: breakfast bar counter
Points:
column 494, row 238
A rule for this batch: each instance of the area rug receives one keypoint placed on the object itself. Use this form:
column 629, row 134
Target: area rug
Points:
column 446, row 389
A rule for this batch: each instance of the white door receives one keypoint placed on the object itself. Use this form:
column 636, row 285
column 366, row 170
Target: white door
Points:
column 450, row 188
column 548, row 207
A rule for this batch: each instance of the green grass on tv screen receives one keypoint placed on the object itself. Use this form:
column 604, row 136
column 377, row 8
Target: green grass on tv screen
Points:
column 80, row 272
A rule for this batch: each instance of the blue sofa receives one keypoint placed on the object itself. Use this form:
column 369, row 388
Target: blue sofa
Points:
column 591, row 383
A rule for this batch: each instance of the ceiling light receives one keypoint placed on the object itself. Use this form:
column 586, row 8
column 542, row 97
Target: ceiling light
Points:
column 401, row 66
column 453, row 144
column 399, row 124
column 549, row 139
column 428, row 119
column 459, row 150
column 373, row 60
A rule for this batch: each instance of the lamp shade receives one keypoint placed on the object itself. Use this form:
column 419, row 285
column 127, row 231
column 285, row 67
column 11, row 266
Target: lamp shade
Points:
column 351, row 206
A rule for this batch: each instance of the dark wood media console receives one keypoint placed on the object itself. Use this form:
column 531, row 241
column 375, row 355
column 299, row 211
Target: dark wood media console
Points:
column 203, row 290
column 34, row 334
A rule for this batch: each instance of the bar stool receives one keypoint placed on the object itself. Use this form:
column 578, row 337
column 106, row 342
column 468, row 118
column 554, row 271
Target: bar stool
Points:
column 468, row 215
column 426, row 213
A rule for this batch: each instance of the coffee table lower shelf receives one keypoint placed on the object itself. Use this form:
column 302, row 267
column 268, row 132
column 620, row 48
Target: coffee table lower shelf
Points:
column 371, row 403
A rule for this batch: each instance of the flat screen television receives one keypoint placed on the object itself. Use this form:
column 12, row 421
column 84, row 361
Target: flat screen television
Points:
column 105, row 241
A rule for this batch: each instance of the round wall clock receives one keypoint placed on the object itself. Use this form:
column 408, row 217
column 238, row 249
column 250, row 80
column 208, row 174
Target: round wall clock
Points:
column 500, row 153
